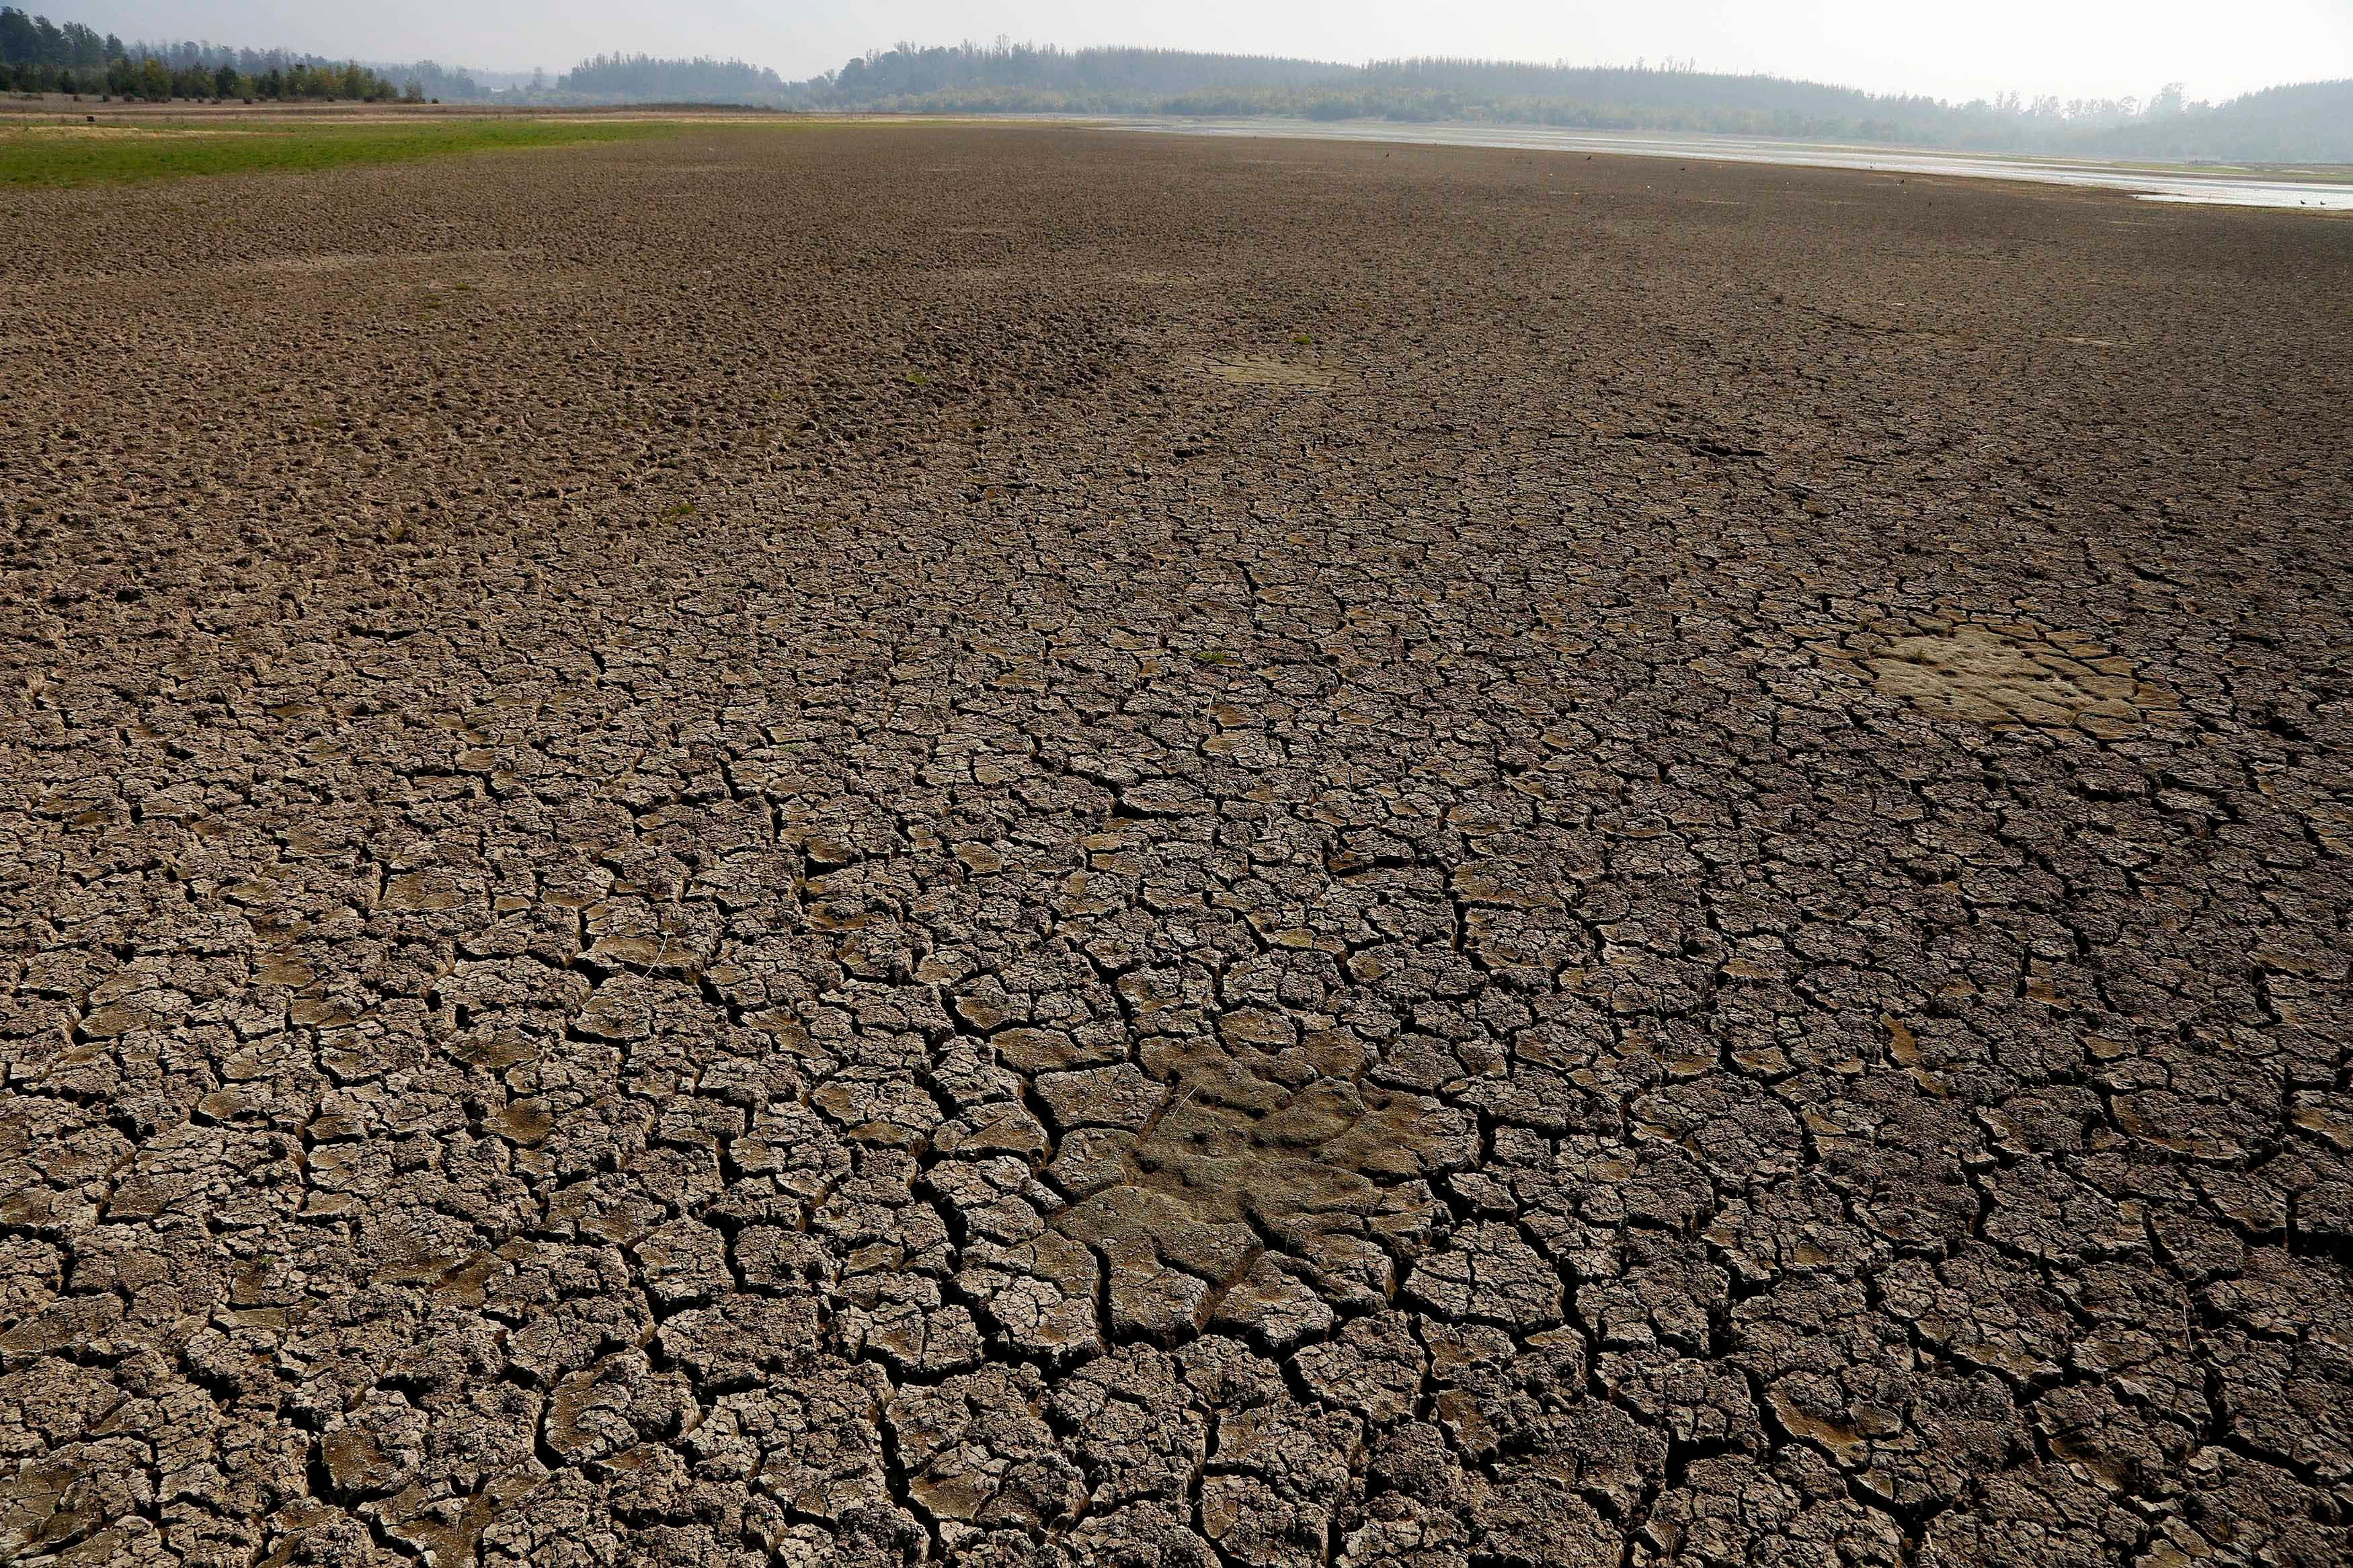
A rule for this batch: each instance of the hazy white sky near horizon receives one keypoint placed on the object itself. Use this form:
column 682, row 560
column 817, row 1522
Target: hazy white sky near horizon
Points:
column 1957, row 49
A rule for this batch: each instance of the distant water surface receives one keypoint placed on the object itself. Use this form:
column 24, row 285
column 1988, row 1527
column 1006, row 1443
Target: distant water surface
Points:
column 2266, row 188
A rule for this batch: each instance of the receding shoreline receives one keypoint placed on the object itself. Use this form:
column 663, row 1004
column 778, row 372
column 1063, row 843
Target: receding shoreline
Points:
column 2326, row 188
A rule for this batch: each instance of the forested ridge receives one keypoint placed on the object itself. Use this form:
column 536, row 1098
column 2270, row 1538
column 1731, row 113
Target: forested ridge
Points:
column 2311, row 121
column 2306, row 121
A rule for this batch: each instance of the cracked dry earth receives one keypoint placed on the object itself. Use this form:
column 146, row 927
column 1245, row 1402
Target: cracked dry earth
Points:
column 867, row 846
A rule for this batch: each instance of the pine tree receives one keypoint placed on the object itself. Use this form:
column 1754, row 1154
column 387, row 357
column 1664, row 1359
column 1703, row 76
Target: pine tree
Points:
column 18, row 38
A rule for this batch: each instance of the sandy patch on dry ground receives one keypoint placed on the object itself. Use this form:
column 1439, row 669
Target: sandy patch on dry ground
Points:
column 2011, row 673
column 1264, row 370
column 1005, row 846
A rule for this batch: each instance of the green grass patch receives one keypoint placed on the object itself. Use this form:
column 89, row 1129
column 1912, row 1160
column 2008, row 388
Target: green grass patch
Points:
column 109, row 155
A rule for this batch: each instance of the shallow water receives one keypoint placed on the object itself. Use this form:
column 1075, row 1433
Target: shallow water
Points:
column 2265, row 189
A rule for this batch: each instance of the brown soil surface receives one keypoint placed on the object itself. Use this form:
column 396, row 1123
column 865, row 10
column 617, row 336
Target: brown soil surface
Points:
column 795, row 846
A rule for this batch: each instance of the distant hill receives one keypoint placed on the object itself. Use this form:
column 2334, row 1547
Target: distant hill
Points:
column 1172, row 82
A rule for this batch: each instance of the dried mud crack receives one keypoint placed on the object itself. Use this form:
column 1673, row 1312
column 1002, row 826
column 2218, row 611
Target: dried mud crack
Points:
column 1002, row 845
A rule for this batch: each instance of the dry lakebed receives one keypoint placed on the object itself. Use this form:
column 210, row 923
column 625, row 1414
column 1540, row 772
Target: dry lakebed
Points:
column 913, row 842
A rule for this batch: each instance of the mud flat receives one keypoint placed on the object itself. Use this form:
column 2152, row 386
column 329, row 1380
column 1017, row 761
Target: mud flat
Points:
column 864, row 845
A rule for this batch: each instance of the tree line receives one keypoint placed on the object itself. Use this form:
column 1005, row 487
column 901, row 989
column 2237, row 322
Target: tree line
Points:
column 2307, row 121
column 642, row 79
column 433, row 79
column 1127, row 78
column 2278, row 126
column 38, row 55
column 2302, row 122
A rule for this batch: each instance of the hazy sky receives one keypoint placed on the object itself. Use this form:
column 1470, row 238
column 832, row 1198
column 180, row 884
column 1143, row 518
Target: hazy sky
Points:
column 1952, row 48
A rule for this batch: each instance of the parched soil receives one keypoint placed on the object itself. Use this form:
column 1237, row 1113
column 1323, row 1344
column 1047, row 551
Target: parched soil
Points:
column 865, row 844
